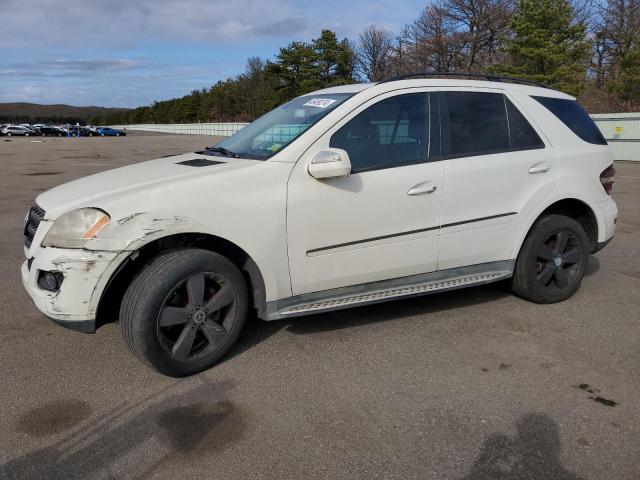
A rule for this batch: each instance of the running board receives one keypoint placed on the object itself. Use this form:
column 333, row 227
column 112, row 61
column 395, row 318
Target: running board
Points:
column 375, row 292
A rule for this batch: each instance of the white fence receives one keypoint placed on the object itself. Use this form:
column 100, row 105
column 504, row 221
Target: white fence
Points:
column 218, row 129
column 622, row 131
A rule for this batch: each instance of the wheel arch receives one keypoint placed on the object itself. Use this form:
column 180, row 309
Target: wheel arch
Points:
column 108, row 309
column 574, row 208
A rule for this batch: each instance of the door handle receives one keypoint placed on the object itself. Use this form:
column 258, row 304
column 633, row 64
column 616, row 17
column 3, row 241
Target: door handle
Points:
column 422, row 188
column 539, row 168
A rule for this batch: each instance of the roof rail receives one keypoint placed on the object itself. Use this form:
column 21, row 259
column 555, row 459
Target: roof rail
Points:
column 485, row 76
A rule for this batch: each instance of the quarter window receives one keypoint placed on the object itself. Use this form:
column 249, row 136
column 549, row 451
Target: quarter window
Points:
column 574, row 117
column 391, row 133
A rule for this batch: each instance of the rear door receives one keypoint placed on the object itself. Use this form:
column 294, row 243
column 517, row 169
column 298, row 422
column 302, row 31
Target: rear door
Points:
column 498, row 166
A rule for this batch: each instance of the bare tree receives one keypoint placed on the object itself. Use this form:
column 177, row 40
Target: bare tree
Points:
column 373, row 53
column 479, row 25
column 457, row 35
column 621, row 24
column 429, row 43
column 615, row 33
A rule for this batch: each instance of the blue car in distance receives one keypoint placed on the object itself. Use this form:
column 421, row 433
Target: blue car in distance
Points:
column 110, row 132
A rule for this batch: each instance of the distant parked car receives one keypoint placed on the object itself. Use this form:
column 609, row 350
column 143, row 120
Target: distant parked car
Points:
column 82, row 132
column 18, row 130
column 51, row 132
column 110, row 132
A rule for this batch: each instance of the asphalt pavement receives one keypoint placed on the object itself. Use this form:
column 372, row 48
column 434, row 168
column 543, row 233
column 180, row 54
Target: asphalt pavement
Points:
column 471, row 384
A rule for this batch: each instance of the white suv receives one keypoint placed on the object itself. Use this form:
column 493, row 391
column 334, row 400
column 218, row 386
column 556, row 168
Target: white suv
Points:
column 346, row 196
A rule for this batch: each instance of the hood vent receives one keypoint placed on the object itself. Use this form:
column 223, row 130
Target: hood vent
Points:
column 199, row 162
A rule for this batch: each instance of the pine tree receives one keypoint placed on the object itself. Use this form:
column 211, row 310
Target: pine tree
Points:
column 628, row 84
column 547, row 45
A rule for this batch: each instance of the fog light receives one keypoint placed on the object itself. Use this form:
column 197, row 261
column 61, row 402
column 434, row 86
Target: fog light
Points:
column 50, row 281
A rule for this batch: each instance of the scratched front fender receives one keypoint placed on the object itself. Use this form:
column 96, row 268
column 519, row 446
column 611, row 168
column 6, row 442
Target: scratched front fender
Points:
column 137, row 229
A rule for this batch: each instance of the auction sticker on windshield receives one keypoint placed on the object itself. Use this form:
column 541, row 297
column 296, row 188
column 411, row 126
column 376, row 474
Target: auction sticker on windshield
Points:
column 319, row 102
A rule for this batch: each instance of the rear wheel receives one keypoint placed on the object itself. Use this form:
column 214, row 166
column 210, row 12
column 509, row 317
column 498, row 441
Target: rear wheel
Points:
column 552, row 261
column 184, row 311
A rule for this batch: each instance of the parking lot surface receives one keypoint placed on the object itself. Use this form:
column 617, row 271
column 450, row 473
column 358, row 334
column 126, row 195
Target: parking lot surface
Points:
column 471, row 384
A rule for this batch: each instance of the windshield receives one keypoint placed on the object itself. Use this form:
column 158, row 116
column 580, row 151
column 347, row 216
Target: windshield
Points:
column 272, row 132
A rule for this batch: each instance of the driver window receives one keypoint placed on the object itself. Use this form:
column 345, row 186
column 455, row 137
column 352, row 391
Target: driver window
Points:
column 391, row 133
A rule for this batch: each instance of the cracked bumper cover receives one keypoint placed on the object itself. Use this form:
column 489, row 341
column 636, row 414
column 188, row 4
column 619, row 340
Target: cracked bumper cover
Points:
column 86, row 274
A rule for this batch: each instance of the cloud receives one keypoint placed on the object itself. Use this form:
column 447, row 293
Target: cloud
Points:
column 132, row 52
column 64, row 67
column 125, row 22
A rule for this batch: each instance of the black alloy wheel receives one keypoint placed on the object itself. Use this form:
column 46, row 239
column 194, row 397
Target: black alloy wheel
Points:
column 197, row 316
column 552, row 260
column 184, row 310
column 558, row 261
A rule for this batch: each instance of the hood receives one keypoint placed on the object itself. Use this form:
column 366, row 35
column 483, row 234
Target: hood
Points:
column 94, row 190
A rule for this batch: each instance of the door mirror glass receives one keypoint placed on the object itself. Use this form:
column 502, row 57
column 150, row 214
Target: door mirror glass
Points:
column 332, row 162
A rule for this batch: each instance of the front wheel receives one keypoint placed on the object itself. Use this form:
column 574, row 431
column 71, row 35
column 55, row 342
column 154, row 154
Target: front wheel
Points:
column 184, row 311
column 552, row 260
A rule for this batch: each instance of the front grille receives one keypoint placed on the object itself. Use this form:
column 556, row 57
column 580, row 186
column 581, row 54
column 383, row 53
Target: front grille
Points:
column 34, row 217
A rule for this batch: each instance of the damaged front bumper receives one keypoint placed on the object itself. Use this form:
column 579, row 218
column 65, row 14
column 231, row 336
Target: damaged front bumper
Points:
column 83, row 276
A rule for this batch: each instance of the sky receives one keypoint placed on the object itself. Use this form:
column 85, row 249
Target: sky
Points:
column 128, row 53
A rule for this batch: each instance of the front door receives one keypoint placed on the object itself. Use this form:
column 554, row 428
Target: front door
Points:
column 383, row 220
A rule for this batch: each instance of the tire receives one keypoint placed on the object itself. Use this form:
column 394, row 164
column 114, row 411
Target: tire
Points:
column 184, row 311
column 552, row 260
column 9, row 134
column 102, row 134
column 26, row 134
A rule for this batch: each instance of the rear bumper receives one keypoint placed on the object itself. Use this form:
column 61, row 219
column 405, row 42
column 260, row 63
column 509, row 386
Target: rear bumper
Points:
column 608, row 214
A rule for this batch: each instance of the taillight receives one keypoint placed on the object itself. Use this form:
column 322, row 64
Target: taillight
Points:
column 606, row 179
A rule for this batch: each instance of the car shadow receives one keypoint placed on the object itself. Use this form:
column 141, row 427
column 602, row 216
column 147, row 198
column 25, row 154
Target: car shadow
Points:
column 534, row 453
column 593, row 266
column 257, row 331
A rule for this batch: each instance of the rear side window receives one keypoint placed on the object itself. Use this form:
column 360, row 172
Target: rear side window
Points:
column 523, row 136
column 574, row 117
column 477, row 123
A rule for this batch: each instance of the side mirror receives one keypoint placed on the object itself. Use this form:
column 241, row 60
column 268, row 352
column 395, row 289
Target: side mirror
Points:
column 329, row 163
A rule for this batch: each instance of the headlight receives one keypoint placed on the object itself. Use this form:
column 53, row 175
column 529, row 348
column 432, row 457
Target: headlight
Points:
column 75, row 228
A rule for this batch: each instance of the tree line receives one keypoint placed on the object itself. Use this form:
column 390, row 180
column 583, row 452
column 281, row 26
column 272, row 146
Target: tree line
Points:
column 587, row 48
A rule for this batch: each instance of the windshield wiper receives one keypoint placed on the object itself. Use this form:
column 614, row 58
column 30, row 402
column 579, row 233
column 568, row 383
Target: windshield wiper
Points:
column 221, row 150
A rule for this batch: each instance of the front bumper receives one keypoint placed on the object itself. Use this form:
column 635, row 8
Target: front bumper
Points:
column 85, row 275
